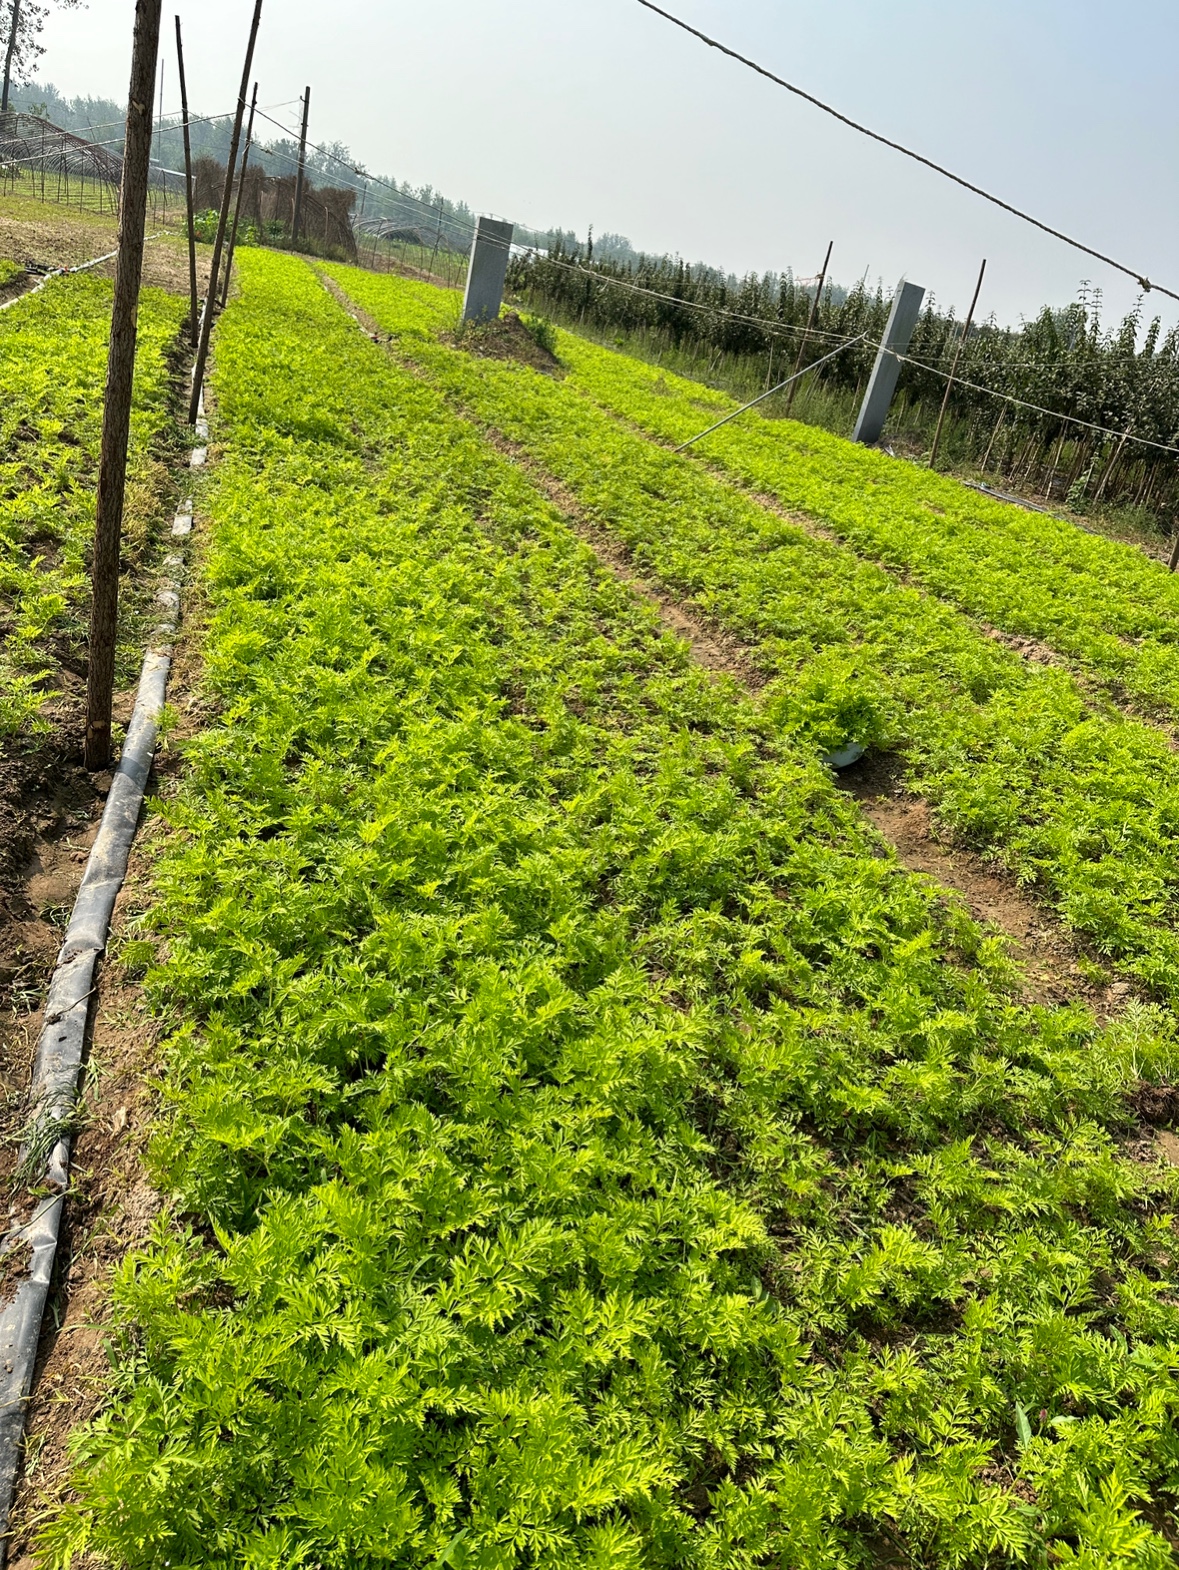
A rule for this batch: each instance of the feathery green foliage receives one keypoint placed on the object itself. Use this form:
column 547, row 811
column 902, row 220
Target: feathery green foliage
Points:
column 1111, row 609
column 53, row 350
column 1066, row 362
column 1015, row 756
column 600, row 1151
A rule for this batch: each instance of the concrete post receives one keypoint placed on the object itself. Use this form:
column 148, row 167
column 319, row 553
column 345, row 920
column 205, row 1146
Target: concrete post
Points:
column 489, row 266
column 906, row 308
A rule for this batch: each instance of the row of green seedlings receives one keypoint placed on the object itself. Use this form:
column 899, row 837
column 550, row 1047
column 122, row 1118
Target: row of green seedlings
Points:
column 53, row 351
column 1017, row 758
column 595, row 1149
column 1109, row 608
column 737, row 335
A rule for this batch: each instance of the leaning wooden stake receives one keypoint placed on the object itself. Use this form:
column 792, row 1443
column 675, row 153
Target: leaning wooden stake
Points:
column 237, row 207
column 192, row 266
column 810, row 323
column 300, row 178
column 202, row 353
column 120, row 373
column 966, row 325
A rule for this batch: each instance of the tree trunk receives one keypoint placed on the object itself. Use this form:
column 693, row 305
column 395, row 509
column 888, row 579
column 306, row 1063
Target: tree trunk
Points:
column 120, row 374
column 241, row 186
column 301, row 175
column 10, row 56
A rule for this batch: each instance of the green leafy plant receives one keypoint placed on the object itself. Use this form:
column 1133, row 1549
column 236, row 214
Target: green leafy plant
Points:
column 596, row 1151
column 1016, row 755
column 52, row 366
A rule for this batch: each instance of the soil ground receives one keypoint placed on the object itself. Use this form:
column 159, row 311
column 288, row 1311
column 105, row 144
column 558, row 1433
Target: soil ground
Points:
column 50, row 236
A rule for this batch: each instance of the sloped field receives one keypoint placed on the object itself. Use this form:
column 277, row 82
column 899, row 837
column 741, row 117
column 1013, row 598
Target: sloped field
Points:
column 587, row 1145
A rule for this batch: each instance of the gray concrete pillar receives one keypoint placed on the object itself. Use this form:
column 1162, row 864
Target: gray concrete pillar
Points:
column 489, row 265
column 906, row 308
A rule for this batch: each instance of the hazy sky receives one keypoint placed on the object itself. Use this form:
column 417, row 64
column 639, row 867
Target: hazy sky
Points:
column 556, row 113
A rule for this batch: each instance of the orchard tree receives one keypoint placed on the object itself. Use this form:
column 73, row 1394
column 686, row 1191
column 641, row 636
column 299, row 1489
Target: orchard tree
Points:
column 26, row 19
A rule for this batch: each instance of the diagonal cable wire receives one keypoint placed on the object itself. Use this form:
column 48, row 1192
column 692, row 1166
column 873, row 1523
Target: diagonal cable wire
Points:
column 899, row 147
column 769, row 393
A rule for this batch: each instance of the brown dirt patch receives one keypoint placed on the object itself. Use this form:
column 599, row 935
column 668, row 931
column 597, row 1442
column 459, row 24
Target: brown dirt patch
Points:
column 1055, row 967
column 15, row 287
column 51, row 236
column 506, row 339
column 49, row 812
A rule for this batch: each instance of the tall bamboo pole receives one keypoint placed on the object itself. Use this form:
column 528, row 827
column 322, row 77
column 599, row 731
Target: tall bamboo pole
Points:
column 120, row 373
column 809, row 324
column 192, row 265
column 300, row 178
column 202, row 354
column 237, row 208
column 966, row 326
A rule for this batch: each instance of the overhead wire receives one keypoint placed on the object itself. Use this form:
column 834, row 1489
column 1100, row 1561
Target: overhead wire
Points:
column 1036, row 408
column 929, row 163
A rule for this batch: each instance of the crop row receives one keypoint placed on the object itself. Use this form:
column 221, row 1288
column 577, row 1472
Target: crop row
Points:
column 1106, row 605
column 1012, row 754
column 53, row 349
column 612, row 1157
column 1103, row 604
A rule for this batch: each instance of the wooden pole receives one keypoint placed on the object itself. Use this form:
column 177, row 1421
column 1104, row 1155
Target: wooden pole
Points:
column 13, row 31
column 192, row 264
column 120, row 373
column 241, row 186
column 966, row 326
column 301, row 176
column 160, row 129
column 810, row 323
column 202, row 354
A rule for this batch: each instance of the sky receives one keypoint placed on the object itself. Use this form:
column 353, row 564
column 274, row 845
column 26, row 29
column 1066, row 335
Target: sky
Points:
column 566, row 113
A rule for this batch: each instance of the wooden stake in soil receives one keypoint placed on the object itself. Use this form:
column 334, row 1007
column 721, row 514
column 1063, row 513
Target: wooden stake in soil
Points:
column 192, row 266
column 810, row 323
column 300, row 177
column 202, row 354
column 120, row 373
column 966, row 325
column 237, row 208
